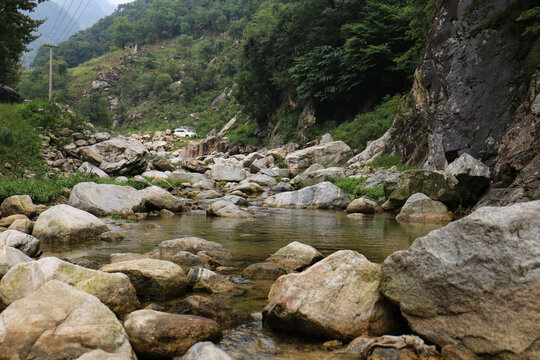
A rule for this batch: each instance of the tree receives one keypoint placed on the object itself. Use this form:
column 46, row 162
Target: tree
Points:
column 16, row 29
column 123, row 32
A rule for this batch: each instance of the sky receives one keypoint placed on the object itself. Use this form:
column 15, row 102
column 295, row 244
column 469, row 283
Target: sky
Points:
column 116, row 2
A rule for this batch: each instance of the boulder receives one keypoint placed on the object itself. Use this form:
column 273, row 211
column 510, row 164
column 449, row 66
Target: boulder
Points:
column 18, row 204
column 106, row 199
column 114, row 290
column 218, row 311
column 153, row 279
column 8, row 220
column 321, row 196
column 158, row 198
column 208, row 194
column 118, row 156
column 227, row 209
column 437, row 185
column 168, row 248
column 205, row 351
column 295, row 256
column 263, row 271
column 364, row 205
column 261, row 164
column 58, row 321
column 332, row 153
column 421, row 209
column 188, row 176
column 91, row 169
column 261, row 179
column 163, row 335
column 187, row 260
column 226, row 172
column 196, row 166
column 337, row 298
column 21, row 241
column 474, row 283
column 64, row 223
column 249, row 188
column 22, row 225
column 10, row 257
column 203, row 279
column 163, row 164
column 473, row 177
column 379, row 177
column 103, row 355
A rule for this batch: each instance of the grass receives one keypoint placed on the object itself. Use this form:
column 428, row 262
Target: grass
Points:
column 376, row 193
column 348, row 185
column 389, row 160
column 354, row 187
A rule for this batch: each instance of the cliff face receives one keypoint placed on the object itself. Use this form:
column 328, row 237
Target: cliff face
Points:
column 466, row 89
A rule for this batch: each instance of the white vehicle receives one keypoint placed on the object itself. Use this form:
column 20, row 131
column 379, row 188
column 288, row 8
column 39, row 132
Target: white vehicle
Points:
column 184, row 132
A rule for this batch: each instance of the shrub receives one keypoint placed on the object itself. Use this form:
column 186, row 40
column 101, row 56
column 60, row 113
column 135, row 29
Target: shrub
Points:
column 387, row 161
column 349, row 185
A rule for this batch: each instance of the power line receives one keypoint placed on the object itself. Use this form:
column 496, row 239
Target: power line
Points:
column 77, row 21
column 62, row 21
column 68, row 25
column 52, row 27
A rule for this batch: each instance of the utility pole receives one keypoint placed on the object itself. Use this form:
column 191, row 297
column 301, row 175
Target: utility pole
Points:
column 50, row 46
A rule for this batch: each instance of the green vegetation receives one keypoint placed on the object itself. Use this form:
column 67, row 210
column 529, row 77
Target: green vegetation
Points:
column 389, row 160
column 375, row 193
column 348, row 185
column 355, row 188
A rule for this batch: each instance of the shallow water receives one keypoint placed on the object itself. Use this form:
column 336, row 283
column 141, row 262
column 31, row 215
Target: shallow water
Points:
column 253, row 240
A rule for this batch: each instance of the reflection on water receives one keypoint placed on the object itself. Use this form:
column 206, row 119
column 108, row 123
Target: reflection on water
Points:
column 253, row 240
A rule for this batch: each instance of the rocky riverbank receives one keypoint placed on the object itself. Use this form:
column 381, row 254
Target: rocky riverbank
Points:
column 450, row 289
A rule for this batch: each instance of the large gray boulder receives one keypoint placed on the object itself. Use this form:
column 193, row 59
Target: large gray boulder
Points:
column 332, row 153
column 321, row 196
column 163, row 335
column 295, row 256
column 10, row 257
column 58, row 321
column 106, row 199
column 18, row 204
column 316, row 176
column 226, row 172
column 21, row 241
column 337, row 298
column 114, row 290
column 473, row 177
column 421, row 209
column 117, row 156
column 474, row 283
column 64, row 223
column 158, row 198
column 364, row 205
column 153, row 279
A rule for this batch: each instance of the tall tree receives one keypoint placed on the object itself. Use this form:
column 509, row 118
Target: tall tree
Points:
column 16, row 29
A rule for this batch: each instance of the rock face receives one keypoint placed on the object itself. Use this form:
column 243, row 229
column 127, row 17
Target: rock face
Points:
column 335, row 152
column 337, row 298
column 321, row 196
column 227, row 209
column 158, row 334
column 474, row 283
column 445, row 116
column 118, row 156
column 295, row 256
column 59, row 322
column 10, row 257
column 114, row 290
column 153, row 279
column 18, row 204
column 473, row 177
column 205, row 147
column 158, row 198
column 21, row 241
column 106, row 199
column 64, row 223
column 421, row 209
column 206, row 350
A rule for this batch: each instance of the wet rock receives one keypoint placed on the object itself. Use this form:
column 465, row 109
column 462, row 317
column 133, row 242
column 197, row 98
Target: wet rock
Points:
column 473, row 177
column 225, row 172
column 203, row 279
column 167, row 249
column 364, row 205
column 112, row 236
column 321, row 196
column 106, row 199
column 436, row 185
column 153, row 279
column 159, row 334
column 20, row 241
column 120, row 257
column 336, row 153
column 421, row 209
column 235, row 199
column 64, row 223
column 117, row 156
column 263, row 271
column 114, row 290
column 187, row 260
column 158, row 198
column 223, row 314
column 473, row 282
column 205, row 351
column 295, row 256
column 91, row 169
column 22, row 225
column 18, row 204
column 58, row 321
column 337, row 298
column 10, row 257
column 226, row 209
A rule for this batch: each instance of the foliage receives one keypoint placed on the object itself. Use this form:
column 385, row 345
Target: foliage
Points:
column 348, row 185
column 35, row 83
column 375, row 193
column 389, row 160
column 16, row 31
column 96, row 108
column 532, row 18
column 367, row 126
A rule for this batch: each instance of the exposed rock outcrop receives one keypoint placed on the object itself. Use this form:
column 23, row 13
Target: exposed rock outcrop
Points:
column 117, row 156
